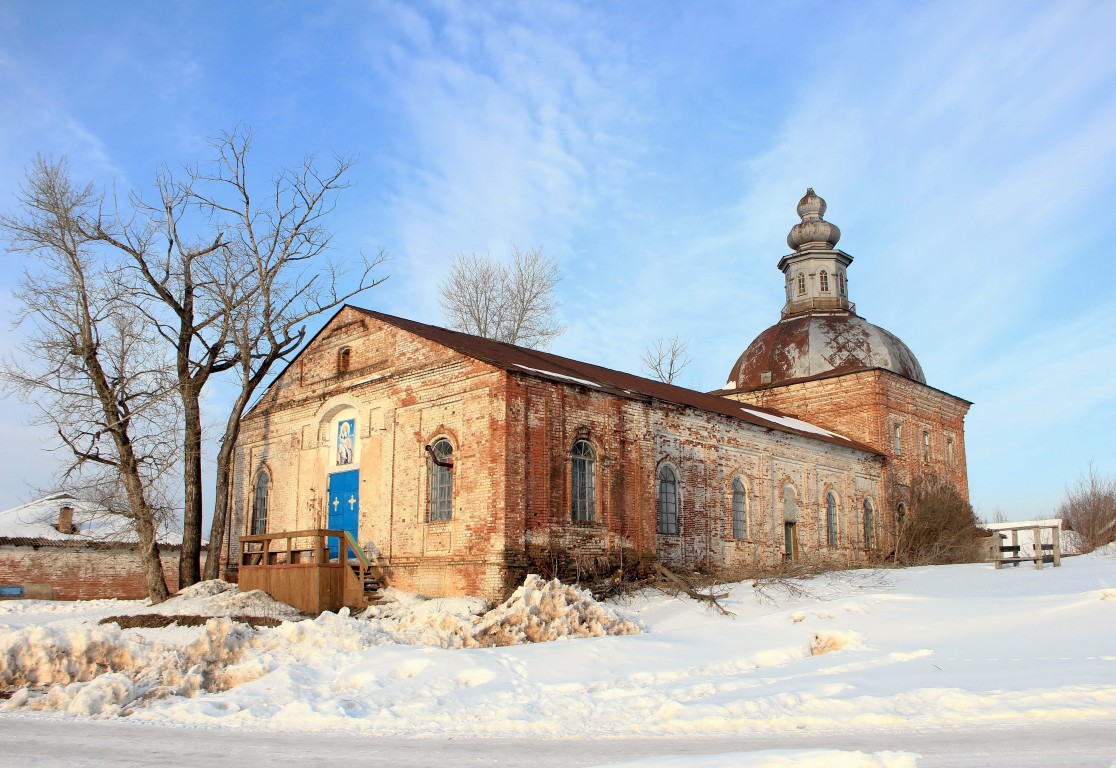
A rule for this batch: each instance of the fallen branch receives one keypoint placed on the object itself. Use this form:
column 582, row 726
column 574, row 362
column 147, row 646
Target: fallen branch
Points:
column 684, row 586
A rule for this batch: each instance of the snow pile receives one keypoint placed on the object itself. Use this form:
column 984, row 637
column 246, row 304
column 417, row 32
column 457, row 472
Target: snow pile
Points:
column 102, row 670
column 537, row 612
column 828, row 642
column 220, row 598
column 541, row 611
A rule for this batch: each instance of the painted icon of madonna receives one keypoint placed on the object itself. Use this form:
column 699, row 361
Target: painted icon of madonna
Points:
column 345, row 442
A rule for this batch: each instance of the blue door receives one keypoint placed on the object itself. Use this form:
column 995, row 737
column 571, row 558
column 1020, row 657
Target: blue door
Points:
column 344, row 505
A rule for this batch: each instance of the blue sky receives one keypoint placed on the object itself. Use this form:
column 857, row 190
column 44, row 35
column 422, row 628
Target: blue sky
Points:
column 656, row 150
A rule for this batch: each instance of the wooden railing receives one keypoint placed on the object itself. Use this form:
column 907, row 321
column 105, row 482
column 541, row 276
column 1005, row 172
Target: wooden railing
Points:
column 297, row 568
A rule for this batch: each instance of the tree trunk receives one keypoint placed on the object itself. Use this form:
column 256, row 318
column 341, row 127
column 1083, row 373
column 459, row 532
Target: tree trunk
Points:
column 221, row 497
column 189, row 566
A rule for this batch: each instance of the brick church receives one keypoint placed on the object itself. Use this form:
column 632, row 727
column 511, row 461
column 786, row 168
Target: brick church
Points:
column 458, row 462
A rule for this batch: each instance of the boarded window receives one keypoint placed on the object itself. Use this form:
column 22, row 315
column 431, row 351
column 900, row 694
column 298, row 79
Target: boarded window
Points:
column 739, row 509
column 441, row 481
column 668, row 502
column 869, row 525
column 583, row 501
column 790, row 504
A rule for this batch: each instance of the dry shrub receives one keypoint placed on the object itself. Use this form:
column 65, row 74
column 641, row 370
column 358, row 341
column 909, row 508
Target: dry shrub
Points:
column 940, row 525
column 1089, row 510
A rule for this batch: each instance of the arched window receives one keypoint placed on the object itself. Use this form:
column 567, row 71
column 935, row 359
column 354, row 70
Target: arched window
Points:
column 823, row 281
column 869, row 525
column 831, row 519
column 343, row 356
column 801, row 284
column 583, row 500
column 441, row 480
column 841, row 283
column 668, row 501
column 739, row 509
column 259, row 504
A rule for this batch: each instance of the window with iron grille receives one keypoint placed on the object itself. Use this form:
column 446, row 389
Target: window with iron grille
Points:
column 831, row 518
column 583, row 501
column 441, row 480
column 259, row 504
column 739, row 509
column 668, row 502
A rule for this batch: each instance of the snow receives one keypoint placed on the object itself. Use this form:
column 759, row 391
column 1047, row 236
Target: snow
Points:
column 787, row 421
column 927, row 650
column 562, row 376
column 37, row 519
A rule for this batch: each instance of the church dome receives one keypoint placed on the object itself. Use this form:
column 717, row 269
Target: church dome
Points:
column 812, row 345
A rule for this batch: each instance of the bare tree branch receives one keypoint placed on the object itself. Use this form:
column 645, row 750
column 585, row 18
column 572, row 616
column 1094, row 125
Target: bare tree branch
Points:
column 513, row 303
column 665, row 358
column 85, row 360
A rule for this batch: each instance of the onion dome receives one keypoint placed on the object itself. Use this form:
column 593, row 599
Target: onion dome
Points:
column 813, row 231
column 820, row 332
column 807, row 346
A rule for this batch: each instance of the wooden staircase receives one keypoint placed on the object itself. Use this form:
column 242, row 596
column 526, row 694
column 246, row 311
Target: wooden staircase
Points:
column 364, row 579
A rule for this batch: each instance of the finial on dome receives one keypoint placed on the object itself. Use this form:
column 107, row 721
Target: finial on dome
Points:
column 813, row 232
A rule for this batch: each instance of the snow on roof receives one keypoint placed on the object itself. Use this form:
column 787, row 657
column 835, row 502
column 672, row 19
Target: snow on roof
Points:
column 35, row 521
column 1022, row 524
column 793, row 423
column 562, row 376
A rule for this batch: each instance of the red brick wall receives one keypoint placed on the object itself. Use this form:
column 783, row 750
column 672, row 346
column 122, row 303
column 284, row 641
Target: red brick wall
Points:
column 77, row 573
column 512, row 435
column 866, row 405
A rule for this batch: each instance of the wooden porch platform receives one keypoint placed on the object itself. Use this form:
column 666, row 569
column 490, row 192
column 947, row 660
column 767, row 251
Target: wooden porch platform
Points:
column 295, row 567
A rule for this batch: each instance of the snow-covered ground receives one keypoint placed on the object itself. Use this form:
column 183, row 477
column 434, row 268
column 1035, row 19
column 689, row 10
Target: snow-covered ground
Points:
column 906, row 655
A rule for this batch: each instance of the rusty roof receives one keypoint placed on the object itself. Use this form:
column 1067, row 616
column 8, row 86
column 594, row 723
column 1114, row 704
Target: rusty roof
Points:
column 544, row 365
column 807, row 346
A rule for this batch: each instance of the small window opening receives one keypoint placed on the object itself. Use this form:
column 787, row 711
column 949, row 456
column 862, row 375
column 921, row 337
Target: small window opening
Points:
column 869, row 525
column 259, row 505
column 739, row 510
column 896, row 443
column 831, row 519
column 668, row 502
column 926, row 446
column 440, row 499
column 801, row 284
column 583, row 502
column 343, row 356
column 823, row 281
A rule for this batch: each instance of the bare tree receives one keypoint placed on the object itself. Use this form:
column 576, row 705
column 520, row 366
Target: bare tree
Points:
column 277, row 251
column 231, row 279
column 939, row 525
column 86, row 363
column 1089, row 510
column 513, row 303
column 665, row 358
